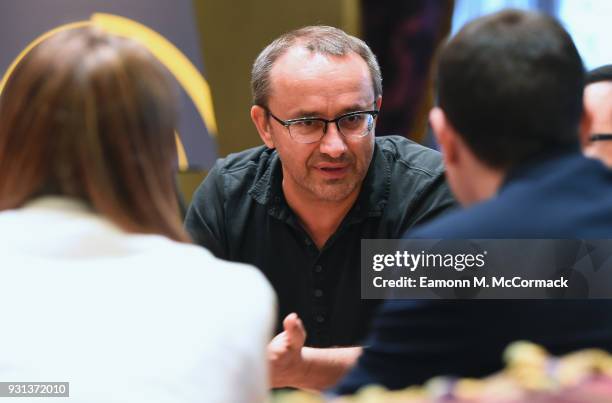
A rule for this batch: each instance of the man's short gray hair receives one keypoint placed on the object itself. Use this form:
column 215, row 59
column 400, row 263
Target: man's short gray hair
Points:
column 317, row 39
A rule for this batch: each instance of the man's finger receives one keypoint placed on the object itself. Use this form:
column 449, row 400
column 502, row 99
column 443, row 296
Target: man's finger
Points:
column 296, row 334
column 290, row 320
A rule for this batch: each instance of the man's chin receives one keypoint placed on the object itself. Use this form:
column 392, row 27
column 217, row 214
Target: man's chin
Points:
column 334, row 190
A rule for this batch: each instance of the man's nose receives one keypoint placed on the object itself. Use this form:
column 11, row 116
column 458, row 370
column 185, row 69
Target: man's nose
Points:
column 333, row 142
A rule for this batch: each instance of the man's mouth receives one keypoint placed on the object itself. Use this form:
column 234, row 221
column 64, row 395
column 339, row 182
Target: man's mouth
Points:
column 334, row 171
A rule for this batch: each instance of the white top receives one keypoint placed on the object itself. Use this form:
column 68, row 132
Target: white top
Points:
column 125, row 317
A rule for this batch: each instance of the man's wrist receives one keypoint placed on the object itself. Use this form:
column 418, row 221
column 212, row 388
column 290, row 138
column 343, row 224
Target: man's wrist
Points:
column 320, row 368
column 304, row 370
column 299, row 374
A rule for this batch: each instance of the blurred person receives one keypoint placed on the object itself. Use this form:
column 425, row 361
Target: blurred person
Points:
column 510, row 102
column 299, row 206
column 99, row 284
column 596, row 127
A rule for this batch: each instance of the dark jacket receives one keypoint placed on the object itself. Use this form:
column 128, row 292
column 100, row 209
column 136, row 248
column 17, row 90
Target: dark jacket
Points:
column 561, row 196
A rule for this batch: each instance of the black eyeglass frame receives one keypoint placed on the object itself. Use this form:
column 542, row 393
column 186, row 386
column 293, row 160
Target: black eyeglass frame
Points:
column 601, row 137
column 289, row 122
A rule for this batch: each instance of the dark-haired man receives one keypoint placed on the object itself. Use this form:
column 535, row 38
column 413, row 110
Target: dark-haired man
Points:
column 299, row 206
column 510, row 102
column 596, row 128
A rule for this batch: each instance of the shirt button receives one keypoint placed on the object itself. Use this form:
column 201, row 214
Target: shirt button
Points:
column 318, row 268
column 320, row 318
column 318, row 293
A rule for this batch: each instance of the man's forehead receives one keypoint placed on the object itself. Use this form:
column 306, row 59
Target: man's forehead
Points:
column 300, row 54
column 300, row 74
column 299, row 64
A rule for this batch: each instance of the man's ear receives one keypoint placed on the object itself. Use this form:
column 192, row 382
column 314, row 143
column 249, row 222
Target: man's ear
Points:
column 378, row 102
column 585, row 128
column 446, row 136
column 260, row 119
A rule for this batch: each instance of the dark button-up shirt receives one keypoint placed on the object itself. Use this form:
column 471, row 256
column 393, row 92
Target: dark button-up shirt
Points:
column 240, row 213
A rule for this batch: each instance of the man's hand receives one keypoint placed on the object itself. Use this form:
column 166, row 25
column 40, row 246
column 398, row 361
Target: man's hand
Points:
column 292, row 364
column 287, row 366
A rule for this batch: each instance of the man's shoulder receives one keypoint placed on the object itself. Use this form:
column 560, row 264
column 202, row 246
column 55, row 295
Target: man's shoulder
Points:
column 531, row 208
column 249, row 171
column 249, row 159
column 405, row 154
column 246, row 172
column 414, row 172
column 484, row 220
column 564, row 198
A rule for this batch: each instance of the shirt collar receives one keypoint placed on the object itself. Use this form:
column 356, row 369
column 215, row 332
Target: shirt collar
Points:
column 268, row 184
column 372, row 199
column 61, row 203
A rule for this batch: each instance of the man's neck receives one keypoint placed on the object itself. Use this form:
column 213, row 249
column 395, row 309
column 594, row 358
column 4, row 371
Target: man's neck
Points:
column 601, row 150
column 490, row 182
column 485, row 183
column 319, row 218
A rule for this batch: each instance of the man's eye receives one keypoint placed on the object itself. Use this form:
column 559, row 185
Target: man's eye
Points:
column 304, row 123
column 354, row 118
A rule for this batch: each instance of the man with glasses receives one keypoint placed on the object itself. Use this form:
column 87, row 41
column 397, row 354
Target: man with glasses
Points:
column 299, row 206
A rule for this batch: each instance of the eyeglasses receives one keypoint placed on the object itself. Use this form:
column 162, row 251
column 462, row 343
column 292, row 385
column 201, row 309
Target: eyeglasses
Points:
column 310, row 130
column 600, row 137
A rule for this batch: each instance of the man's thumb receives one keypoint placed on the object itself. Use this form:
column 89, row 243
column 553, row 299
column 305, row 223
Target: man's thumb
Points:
column 296, row 334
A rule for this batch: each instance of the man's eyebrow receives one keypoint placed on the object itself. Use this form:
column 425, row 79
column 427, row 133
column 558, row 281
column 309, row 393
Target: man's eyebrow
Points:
column 304, row 113
column 357, row 107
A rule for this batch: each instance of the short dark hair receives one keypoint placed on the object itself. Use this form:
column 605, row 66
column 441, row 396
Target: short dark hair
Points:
column 317, row 39
column 601, row 73
column 511, row 84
